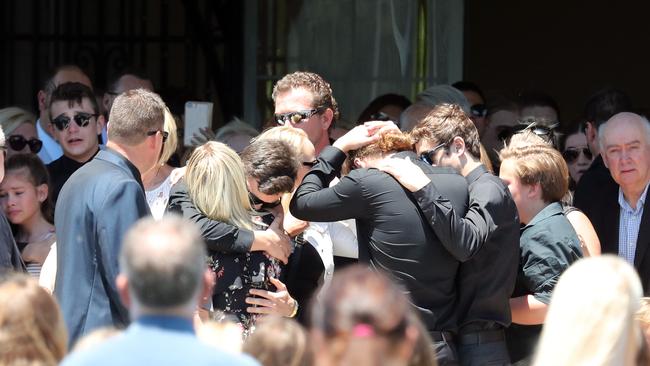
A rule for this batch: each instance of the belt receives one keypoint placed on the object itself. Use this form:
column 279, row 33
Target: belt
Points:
column 441, row 336
column 486, row 336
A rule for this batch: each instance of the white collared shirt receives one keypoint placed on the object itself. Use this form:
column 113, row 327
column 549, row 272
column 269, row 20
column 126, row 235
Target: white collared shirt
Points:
column 51, row 149
column 628, row 226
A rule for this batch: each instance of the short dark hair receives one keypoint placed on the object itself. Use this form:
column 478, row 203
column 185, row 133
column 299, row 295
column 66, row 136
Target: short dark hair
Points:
column 36, row 174
column 115, row 78
column 604, row 104
column 468, row 86
column 533, row 98
column 273, row 163
column 380, row 102
column 73, row 93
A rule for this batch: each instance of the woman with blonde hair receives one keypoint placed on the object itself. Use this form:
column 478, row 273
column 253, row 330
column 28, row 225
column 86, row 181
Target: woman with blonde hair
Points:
column 32, row 331
column 158, row 180
column 591, row 319
column 20, row 128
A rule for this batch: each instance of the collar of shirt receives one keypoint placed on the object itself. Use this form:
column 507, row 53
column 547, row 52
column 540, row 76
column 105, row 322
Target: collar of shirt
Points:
column 50, row 145
column 170, row 322
column 551, row 209
column 476, row 173
column 626, row 206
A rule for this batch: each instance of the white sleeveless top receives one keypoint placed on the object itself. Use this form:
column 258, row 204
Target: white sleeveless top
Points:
column 158, row 197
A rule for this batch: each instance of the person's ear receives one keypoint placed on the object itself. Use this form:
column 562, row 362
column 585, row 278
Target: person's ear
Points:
column 209, row 280
column 458, row 145
column 106, row 102
column 41, row 97
column 409, row 342
column 101, row 121
column 42, row 192
column 328, row 117
column 534, row 191
column 358, row 163
column 122, row 284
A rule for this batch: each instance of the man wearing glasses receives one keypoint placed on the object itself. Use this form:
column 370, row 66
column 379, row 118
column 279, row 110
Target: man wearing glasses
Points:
column 304, row 100
column 63, row 74
column 485, row 239
column 76, row 122
column 97, row 205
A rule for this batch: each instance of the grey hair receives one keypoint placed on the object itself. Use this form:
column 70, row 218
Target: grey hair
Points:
column 642, row 119
column 164, row 261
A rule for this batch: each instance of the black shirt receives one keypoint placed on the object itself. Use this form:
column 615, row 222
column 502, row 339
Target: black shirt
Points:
column 548, row 247
column 485, row 240
column 392, row 232
column 60, row 170
column 595, row 184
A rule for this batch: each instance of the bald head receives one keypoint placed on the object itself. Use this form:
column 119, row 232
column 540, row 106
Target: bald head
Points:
column 623, row 123
column 413, row 115
column 163, row 261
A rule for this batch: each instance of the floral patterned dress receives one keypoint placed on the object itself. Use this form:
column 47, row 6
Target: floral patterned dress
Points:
column 238, row 273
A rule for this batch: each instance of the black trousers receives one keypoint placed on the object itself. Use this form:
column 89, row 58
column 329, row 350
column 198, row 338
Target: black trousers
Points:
column 485, row 347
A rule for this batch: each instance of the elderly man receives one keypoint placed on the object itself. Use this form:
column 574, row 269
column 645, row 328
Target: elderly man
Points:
column 163, row 276
column 97, row 205
column 622, row 225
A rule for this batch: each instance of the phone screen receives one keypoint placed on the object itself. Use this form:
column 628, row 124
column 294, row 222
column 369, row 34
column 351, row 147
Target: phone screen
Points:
column 197, row 115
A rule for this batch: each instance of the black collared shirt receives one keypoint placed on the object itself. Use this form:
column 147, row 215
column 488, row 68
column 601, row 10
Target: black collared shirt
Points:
column 485, row 240
column 392, row 232
column 548, row 247
column 60, row 170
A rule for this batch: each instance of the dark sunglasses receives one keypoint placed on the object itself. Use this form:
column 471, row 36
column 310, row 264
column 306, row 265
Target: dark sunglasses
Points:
column 296, row 117
column 165, row 134
column 255, row 201
column 428, row 156
column 478, row 110
column 62, row 122
column 310, row 163
column 18, row 142
column 571, row 155
column 547, row 133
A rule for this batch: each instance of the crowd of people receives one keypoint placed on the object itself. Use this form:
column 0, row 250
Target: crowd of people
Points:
column 450, row 230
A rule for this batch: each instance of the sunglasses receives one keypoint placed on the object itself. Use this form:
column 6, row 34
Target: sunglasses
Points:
column 478, row 110
column 255, row 201
column 547, row 133
column 310, row 163
column 428, row 156
column 18, row 142
column 62, row 122
column 165, row 134
column 571, row 155
column 296, row 117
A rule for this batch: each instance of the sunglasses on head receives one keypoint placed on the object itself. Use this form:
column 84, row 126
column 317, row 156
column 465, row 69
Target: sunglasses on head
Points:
column 478, row 110
column 62, row 122
column 296, row 117
column 18, row 142
column 545, row 132
column 428, row 156
column 572, row 154
column 310, row 164
column 255, row 201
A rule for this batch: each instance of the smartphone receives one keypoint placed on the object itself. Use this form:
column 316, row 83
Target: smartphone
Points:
column 197, row 115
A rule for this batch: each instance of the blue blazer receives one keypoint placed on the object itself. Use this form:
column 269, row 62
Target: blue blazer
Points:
column 96, row 207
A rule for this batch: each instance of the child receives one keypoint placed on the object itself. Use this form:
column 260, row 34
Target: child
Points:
column 24, row 199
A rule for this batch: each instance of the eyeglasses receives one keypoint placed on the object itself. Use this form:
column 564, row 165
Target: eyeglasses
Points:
column 310, row 163
column 62, row 122
column 478, row 110
column 165, row 134
column 428, row 156
column 18, row 142
column 255, row 201
column 296, row 117
column 572, row 154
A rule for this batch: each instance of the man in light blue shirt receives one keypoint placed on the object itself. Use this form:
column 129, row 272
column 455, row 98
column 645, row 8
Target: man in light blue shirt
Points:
column 623, row 225
column 163, row 275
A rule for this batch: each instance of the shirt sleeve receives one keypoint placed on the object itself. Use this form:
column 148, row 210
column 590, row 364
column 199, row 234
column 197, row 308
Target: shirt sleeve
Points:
column 314, row 201
column 542, row 265
column 462, row 236
column 218, row 236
